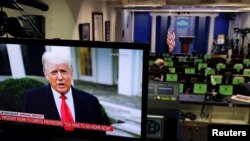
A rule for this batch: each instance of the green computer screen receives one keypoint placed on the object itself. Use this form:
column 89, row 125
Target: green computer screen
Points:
column 226, row 90
column 216, row 79
column 181, row 88
column 189, row 70
column 172, row 77
column 200, row 88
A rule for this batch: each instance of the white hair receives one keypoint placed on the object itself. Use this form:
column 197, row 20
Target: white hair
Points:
column 55, row 58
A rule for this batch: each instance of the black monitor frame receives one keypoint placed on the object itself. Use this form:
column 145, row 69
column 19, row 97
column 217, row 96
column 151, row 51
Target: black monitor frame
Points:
column 27, row 130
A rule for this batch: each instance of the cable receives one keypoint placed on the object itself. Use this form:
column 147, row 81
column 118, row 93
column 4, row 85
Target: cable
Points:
column 22, row 11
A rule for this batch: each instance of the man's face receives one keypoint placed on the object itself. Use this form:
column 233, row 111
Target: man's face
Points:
column 59, row 77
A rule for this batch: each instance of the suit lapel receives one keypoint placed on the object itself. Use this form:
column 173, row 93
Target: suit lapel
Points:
column 51, row 111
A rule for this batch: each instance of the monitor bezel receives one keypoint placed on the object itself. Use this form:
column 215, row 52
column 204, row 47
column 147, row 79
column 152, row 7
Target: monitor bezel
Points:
column 19, row 129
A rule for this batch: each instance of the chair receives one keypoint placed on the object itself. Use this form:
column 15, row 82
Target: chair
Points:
column 238, row 80
column 169, row 63
column 172, row 70
column 206, row 57
column 172, row 77
column 182, row 59
column 209, row 71
column 216, row 79
column 168, row 59
column 226, row 89
column 198, row 60
column 201, row 88
column 246, row 62
column 151, row 62
column 220, row 66
column 238, row 66
column 202, row 65
column 246, row 72
column 190, row 70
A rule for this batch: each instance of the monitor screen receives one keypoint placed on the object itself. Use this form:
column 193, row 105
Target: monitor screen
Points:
column 172, row 77
column 163, row 88
column 226, row 90
column 200, row 88
column 83, row 89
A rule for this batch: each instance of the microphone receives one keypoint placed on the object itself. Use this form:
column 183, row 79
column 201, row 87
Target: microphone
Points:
column 35, row 3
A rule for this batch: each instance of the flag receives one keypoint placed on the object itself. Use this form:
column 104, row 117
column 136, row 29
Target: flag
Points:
column 171, row 36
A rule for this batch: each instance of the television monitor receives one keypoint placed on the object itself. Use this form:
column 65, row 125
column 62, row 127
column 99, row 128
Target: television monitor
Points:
column 200, row 88
column 162, row 88
column 95, row 71
column 172, row 77
column 226, row 89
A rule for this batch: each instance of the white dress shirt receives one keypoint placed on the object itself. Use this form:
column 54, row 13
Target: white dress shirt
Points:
column 68, row 100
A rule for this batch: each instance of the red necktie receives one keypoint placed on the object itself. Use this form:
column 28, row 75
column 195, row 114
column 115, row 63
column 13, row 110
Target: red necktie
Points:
column 66, row 114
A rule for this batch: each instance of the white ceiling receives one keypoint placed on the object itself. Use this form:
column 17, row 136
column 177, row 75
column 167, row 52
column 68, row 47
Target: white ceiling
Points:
column 184, row 5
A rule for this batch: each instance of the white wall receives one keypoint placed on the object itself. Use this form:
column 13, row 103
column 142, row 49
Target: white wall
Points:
column 63, row 16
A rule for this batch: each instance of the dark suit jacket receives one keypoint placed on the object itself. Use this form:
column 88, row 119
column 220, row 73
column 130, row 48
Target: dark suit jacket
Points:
column 41, row 101
column 156, row 71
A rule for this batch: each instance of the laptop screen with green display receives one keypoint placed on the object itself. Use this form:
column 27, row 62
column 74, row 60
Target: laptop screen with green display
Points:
column 200, row 88
column 226, row 90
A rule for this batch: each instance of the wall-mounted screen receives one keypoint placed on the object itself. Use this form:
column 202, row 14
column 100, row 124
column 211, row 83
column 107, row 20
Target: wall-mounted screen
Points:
column 76, row 89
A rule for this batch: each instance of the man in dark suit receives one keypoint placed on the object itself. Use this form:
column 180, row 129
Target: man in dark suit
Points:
column 158, row 69
column 60, row 100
